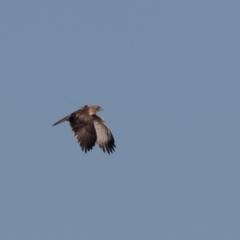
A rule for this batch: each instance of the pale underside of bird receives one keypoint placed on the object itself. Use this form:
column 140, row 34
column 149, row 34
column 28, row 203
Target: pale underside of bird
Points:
column 89, row 129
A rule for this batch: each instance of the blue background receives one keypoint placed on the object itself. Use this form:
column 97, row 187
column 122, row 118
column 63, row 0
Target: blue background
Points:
column 166, row 74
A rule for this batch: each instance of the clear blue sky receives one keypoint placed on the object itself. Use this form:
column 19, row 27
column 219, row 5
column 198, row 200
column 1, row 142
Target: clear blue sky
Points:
column 166, row 74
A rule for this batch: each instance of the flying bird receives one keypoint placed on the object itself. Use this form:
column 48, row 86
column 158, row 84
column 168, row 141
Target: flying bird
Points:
column 89, row 128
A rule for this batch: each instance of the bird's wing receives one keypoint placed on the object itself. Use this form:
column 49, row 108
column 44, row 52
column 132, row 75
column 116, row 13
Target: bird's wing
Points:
column 80, row 111
column 84, row 130
column 62, row 120
column 105, row 138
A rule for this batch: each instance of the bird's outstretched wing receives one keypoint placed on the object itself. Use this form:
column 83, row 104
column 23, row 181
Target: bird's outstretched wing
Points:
column 62, row 120
column 84, row 130
column 105, row 138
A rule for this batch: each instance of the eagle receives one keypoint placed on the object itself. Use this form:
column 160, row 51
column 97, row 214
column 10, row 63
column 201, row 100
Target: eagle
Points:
column 89, row 128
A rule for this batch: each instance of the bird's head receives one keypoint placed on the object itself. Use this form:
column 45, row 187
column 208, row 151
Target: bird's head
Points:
column 93, row 109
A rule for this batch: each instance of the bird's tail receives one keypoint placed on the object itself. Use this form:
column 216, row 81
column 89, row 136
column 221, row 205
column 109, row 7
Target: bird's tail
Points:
column 62, row 120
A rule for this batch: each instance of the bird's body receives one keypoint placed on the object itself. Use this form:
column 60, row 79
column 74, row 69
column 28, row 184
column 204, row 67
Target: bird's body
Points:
column 89, row 128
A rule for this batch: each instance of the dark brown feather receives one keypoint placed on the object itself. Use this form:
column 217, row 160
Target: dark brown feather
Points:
column 84, row 131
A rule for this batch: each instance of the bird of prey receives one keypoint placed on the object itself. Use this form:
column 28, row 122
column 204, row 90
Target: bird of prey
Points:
column 89, row 128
